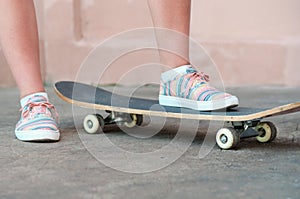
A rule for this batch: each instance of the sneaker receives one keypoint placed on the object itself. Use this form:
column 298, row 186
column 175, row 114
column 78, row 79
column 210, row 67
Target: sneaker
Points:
column 185, row 87
column 37, row 122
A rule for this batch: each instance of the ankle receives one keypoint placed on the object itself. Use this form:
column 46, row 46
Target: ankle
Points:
column 173, row 73
column 25, row 99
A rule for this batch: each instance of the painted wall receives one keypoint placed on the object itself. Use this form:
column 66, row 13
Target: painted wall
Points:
column 253, row 42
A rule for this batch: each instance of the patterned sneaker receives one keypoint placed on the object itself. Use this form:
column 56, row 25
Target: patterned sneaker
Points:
column 185, row 87
column 37, row 122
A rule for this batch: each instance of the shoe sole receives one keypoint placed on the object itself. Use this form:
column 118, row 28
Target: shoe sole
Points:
column 37, row 136
column 228, row 102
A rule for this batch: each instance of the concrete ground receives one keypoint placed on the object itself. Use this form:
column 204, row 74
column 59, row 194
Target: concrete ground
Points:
column 74, row 167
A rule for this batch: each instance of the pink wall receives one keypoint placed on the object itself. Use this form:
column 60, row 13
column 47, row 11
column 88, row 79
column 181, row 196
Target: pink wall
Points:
column 253, row 42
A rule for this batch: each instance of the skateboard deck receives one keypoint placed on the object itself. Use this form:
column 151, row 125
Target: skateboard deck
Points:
column 246, row 121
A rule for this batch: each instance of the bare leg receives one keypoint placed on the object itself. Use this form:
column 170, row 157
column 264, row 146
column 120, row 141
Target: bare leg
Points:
column 183, row 86
column 19, row 39
column 173, row 15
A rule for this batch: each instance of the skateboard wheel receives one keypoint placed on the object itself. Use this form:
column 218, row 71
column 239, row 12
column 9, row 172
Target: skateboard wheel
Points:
column 267, row 132
column 92, row 123
column 136, row 120
column 227, row 138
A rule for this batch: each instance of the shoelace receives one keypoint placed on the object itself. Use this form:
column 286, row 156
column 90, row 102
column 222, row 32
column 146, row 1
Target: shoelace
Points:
column 45, row 105
column 199, row 77
column 196, row 79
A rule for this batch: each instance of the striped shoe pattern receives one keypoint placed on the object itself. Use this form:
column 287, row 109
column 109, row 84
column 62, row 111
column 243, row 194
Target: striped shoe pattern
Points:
column 38, row 121
column 191, row 90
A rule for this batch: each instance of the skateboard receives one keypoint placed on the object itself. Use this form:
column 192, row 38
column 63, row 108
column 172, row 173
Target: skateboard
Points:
column 128, row 111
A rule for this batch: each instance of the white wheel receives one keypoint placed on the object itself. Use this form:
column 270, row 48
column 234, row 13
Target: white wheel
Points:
column 92, row 123
column 267, row 132
column 133, row 121
column 227, row 138
column 136, row 120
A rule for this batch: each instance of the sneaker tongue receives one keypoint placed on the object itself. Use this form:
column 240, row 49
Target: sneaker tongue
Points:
column 191, row 70
column 200, row 76
column 38, row 98
column 41, row 110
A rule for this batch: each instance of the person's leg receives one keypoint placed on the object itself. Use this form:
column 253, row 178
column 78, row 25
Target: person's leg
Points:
column 173, row 15
column 182, row 86
column 20, row 44
column 19, row 39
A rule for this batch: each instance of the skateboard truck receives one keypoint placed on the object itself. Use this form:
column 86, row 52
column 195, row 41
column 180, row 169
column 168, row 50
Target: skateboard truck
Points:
column 92, row 123
column 246, row 128
column 129, row 120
